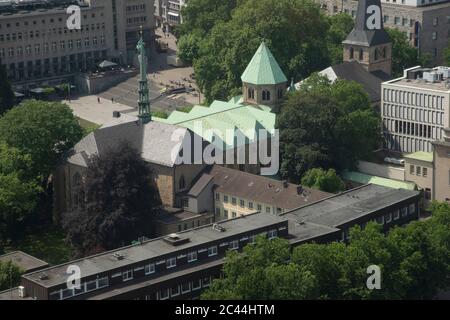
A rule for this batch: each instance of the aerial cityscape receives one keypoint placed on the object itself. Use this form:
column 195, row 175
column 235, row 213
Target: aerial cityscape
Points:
column 224, row 150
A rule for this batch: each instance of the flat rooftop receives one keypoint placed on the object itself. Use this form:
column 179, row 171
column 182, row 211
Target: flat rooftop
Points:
column 300, row 231
column 24, row 261
column 350, row 205
column 153, row 248
column 420, row 84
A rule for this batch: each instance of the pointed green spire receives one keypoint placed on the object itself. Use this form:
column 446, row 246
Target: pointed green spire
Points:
column 263, row 68
column 144, row 98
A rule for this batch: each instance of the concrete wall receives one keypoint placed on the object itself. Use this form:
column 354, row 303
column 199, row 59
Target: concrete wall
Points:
column 381, row 170
column 87, row 84
column 423, row 181
column 441, row 173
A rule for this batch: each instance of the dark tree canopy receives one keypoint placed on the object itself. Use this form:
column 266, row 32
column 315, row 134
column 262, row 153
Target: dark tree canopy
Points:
column 44, row 130
column 414, row 261
column 7, row 97
column 117, row 202
column 293, row 30
column 328, row 125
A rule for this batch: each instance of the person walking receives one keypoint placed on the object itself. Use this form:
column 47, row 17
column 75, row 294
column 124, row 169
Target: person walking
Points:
column 98, row 99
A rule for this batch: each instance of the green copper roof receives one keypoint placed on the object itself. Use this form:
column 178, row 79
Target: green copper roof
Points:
column 263, row 68
column 420, row 155
column 362, row 178
column 223, row 116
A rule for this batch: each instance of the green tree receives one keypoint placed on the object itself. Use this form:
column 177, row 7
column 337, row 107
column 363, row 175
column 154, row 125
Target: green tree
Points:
column 7, row 97
column 404, row 55
column 446, row 56
column 261, row 272
column 291, row 29
column 19, row 190
column 9, row 275
column 326, row 125
column 44, row 130
column 327, row 181
column 340, row 26
column 188, row 47
column 116, row 204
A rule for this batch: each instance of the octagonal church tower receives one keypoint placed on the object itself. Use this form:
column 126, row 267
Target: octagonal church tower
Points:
column 263, row 81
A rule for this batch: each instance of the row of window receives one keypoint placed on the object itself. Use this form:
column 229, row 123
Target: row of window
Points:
column 183, row 288
column 54, row 47
column 413, row 99
column 265, row 94
column 136, row 8
column 150, row 268
column 386, row 218
column 415, row 114
column 37, row 34
column 136, row 20
column 245, row 204
column 412, row 129
column 418, row 170
column 43, row 21
column 406, row 144
column 84, row 288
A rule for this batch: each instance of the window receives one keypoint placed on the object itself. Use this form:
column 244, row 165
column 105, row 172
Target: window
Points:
column 218, row 211
column 251, row 93
column 280, row 93
column 149, row 268
column 233, row 214
column 266, row 95
column 424, row 172
column 233, row 200
column 171, row 262
column 212, row 251
column 127, row 275
column 411, row 169
column 225, row 213
column 434, row 35
column 272, row 234
column 164, row 294
column 242, row 203
column 103, row 282
column 267, row 209
column 380, row 220
column 175, row 291
column 361, row 54
column 196, row 284
column 250, row 205
column 234, row 245
column 206, row 281
column 217, row 196
column 192, row 256
column 252, row 239
column 404, row 212
column 388, row 217
column 225, row 199
column 427, row 193
column 412, row 208
column 418, row 170
column 182, row 183
column 396, row 214
column 186, row 287
column 352, row 53
column 259, row 207
column 279, row 210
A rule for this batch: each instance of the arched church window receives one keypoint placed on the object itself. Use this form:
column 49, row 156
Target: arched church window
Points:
column 251, row 93
column 182, row 183
column 266, row 95
column 361, row 54
column 376, row 54
column 352, row 53
column 280, row 93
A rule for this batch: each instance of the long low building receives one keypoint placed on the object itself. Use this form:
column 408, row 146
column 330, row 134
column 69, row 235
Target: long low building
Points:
column 182, row 265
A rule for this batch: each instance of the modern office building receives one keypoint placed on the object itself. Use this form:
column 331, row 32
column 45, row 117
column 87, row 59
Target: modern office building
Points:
column 168, row 12
column 181, row 265
column 415, row 109
column 426, row 23
column 36, row 45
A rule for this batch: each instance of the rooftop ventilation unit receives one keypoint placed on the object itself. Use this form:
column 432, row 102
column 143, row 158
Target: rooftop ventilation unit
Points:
column 431, row 77
column 175, row 239
column 43, row 276
column 21, row 292
column 118, row 256
column 445, row 71
column 219, row 228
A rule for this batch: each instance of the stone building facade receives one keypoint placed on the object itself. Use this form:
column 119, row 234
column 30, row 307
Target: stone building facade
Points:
column 36, row 45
